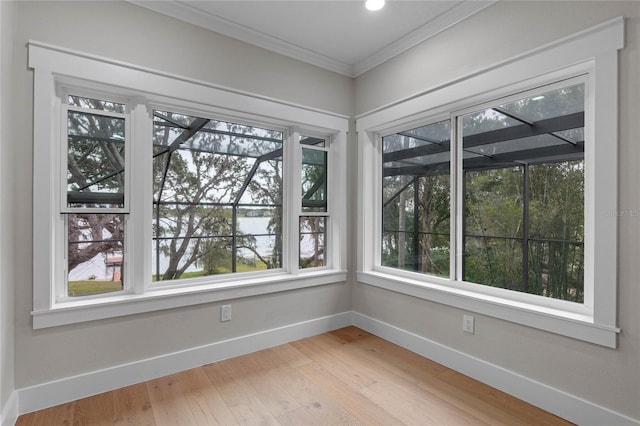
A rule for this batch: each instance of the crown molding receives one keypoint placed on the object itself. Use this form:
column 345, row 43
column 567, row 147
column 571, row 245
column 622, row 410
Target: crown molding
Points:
column 215, row 23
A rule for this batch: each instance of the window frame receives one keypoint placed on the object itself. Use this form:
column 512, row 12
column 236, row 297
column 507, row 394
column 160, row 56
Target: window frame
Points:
column 592, row 53
column 330, row 183
column 56, row 72
column 198, row 113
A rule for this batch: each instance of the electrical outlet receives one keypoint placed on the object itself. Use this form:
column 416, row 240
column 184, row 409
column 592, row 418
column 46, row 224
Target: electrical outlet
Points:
column 225, row 313
column 468, row 324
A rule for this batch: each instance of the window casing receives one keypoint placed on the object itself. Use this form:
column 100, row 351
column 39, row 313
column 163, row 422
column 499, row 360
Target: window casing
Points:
column 588, row 59
column 216, row 164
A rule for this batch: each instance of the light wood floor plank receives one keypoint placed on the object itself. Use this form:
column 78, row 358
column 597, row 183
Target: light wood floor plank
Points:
column 169, row 405
column 267, row 375
column 132, row 406
column 291, row 356
column 242, row 400
column 97, row 410
column 363, row 409
column 347, row 373
column 206, row 403
column 58, row 415
column 344, row 377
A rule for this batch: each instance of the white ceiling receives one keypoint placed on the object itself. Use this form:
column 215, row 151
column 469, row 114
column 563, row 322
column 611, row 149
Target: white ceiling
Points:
column 339, row 35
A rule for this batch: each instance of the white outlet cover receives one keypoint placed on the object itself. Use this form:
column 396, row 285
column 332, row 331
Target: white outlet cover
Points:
column 468, row 324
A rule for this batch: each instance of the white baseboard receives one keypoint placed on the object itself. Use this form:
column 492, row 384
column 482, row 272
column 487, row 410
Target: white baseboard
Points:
column 9, row 413
column 71, row 388
column 550, row 399
column 555, row 401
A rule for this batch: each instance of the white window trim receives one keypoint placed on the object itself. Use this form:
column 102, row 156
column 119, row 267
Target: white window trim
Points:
column 593, row 51
column 146, row 89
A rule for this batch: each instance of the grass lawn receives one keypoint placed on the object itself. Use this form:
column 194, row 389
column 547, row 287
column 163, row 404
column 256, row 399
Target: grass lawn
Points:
column 240, row 267
column 80, row 288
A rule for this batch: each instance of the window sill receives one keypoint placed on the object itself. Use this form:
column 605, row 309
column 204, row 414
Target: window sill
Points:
column 70, row 312
column 577, row 326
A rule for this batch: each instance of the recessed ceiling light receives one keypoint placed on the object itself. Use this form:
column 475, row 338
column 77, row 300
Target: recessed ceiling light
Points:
column 374, row 4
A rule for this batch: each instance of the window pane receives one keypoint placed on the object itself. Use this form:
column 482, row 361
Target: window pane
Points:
column 524, row 195
column 217, row 197
column 494, row 261
column 312, row 241
column 308, row 140
column 97, row 104
column 416, row 199
column 95, row 160
column 314, row 180
column 95, row 251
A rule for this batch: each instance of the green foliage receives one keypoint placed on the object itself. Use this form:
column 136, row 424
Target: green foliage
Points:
column 80, row 288
column 523, row 226
column 198, row 186
column 416, row 236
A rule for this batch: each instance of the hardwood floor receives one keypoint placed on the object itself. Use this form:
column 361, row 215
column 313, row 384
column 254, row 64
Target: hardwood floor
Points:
column 347, row 376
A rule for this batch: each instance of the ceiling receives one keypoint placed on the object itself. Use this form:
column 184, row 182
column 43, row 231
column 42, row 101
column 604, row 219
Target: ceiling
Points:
column 339, row 35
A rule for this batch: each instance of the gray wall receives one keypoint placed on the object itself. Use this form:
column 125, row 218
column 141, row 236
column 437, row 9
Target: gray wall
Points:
column 132, row 34
column 6, row 226
column 607, row 377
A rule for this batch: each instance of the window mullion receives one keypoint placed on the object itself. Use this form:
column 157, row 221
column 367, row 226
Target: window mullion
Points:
column 293, row 195
column 139, row 231
column 457, row 200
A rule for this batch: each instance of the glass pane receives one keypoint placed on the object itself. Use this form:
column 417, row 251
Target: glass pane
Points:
column 97, row 104
column 555, row 103
column 494, row 262
column 95, row 251
column 213, row 136
column 493, row 203
column 312, row 241
column 309, row 140
column 314, row 180
column 260, row 238
column 524, row 195
column 556, row 269
column 416, row 199
column 181, row 258
column 95, row 160
column 217, row 205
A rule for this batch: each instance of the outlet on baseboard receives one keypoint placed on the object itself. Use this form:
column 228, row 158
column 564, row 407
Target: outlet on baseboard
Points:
column 225, row 313
column 468, row 324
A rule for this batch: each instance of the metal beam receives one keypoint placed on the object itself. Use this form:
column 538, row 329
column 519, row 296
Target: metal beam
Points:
column 547, row 126
column 541, row 127
column 398, row 192
column 86, row 197
column 509, row 159
column 247, row 180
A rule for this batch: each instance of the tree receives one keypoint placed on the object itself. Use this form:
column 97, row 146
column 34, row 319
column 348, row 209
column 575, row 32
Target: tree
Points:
column 95, row 166
column 93, row 234
column 198, row 186
column 523, row 222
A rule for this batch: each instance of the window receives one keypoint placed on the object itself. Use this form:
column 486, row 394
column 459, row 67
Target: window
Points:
column 522, row 205
column 95, row 153
column 523, row 194
column 314, row 218
column 487, row 194
column 416, row 197
column 217, row 197
column 211, row 209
